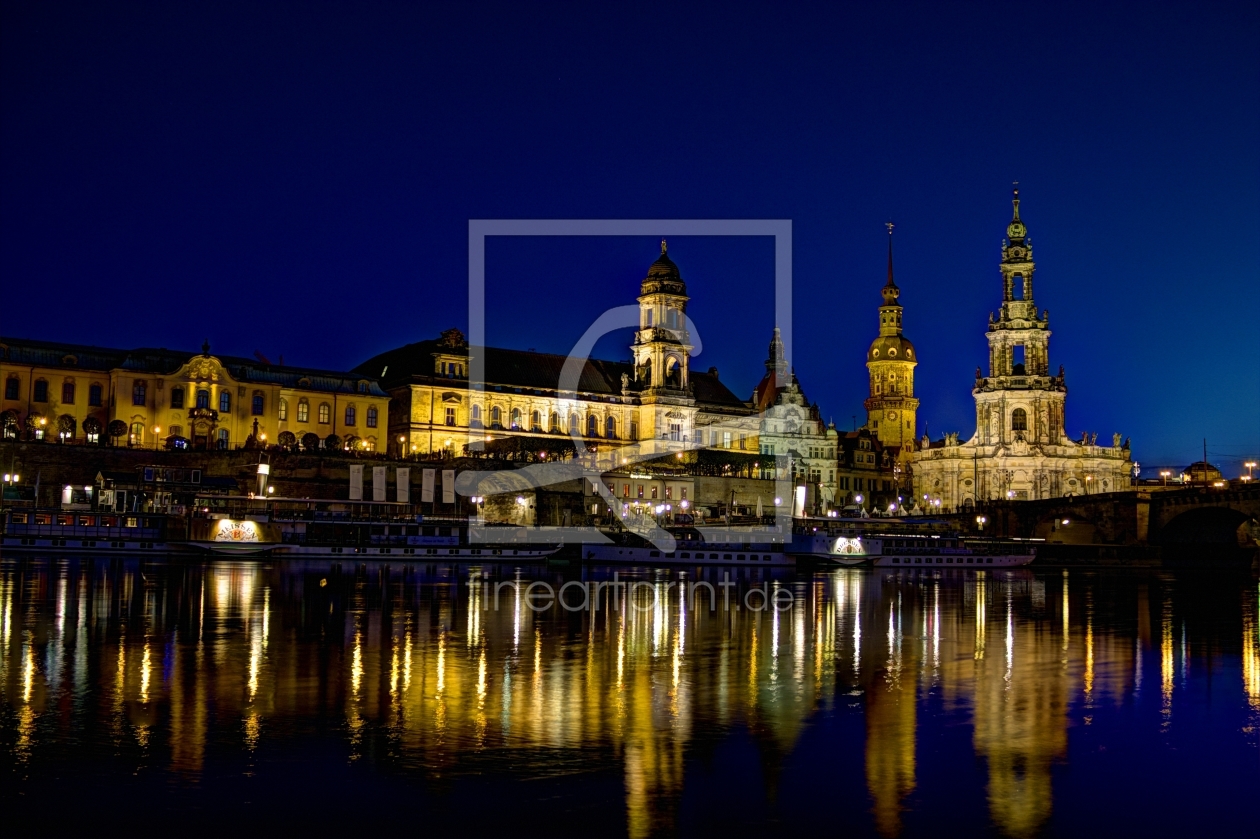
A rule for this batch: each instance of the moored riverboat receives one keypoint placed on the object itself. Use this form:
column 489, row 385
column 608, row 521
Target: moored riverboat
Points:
column 691, row 547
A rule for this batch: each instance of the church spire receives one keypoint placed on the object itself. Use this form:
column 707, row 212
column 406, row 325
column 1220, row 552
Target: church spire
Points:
column 890, row 290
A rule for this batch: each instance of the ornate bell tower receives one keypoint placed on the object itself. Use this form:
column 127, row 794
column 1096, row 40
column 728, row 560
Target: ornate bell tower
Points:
column 891, row 408
column 1019, row 402
column 662, row 352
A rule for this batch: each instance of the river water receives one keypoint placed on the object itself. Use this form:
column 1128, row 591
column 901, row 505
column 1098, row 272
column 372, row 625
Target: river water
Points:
column 235, row 696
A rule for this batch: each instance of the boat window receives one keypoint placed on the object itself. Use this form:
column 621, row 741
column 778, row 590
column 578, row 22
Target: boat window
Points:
column 726, row 556
column 989, row 560
column 685, row 556
column 713, row 556
column 453, row 551
column 655, row 553
column 741, row 556
column 431, row 551
column 86, row 521
column 766, row 557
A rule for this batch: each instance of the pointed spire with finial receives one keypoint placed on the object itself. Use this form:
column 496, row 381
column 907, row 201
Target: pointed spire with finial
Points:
column 1016, row 231
column 889, row 225
column 890, row 290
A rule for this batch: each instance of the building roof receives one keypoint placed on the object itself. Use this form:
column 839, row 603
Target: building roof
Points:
column 162, row 361
column 525, row 369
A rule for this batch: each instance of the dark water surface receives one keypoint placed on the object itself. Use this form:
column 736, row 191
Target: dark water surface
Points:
column 197, row 698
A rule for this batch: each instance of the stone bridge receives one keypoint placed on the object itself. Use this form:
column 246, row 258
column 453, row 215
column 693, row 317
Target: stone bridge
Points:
column 1190, row 516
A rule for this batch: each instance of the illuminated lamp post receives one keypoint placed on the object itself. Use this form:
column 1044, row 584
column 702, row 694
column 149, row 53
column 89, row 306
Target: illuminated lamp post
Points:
column 157, row 435
column 1088, row 480
column 980, row 522
column 1250, row 464
column 1165, row 474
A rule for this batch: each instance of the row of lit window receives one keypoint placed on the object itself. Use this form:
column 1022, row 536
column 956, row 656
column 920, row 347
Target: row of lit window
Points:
column 654, row 494
column 324, row 413
column 39, row 392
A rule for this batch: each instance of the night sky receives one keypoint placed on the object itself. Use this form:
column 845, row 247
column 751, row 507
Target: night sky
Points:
column 297, row 179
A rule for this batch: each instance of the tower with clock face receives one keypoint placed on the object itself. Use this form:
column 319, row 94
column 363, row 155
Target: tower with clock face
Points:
column 891, row 406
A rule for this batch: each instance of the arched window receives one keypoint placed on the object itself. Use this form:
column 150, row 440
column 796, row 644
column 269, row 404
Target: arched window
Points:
column 1019, row 420
column 634, row 429
column 177, row 397
column 304, row 411
column 13, row 388
column 137, row 434
column 284, row 409
column 592, row 426
column 41, row 391
column 223, row 438
column 350, row 415
column 496, row 417
column 225, row 401
column 371, row 418
column 610, row 428
column 256, row 404
column 516, row 418
column 94, row 395
column 203, row 398
column 325, row 413
column 67, row 393
column 573, row 423
column 475, row 422
column 554, row 425
column 138, row 392
column 535, row 422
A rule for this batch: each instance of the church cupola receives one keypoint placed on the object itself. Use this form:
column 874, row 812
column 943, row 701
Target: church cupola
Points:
column 891, row 407
column 662, row 345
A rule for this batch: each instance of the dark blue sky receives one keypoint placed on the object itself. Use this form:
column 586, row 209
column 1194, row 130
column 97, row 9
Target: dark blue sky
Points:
column 297, row 179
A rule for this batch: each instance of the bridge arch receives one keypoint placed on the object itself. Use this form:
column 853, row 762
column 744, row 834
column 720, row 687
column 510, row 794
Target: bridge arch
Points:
column 1206, row 526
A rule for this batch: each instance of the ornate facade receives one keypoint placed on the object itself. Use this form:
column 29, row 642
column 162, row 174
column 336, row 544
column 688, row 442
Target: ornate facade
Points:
column 151, row 398
column 1020, row 449
column 654, row 403
column 793, row 433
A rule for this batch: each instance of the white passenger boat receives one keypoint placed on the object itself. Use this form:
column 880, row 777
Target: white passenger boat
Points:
column 902, row 550
column 690, row 548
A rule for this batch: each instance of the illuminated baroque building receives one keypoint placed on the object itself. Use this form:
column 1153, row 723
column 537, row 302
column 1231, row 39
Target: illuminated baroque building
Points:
column 1020, row 449
column 655, row 401
column 153, row 397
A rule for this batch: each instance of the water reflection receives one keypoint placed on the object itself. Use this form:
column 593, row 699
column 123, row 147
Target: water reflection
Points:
column 450, row 672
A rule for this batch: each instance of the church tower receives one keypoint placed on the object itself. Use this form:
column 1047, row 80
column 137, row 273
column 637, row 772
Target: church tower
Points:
column 890, row 410
column 1019, row 402
column 662, row 352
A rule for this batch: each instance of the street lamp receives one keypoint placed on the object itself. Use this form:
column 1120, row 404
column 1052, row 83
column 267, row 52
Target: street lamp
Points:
column 980, row 522
column 157, row 433
column 1088, row 478
column 1250, row 464
column 1165, row 474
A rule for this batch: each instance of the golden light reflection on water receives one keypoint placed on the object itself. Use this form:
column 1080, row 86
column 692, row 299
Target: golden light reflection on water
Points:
column 635, row 682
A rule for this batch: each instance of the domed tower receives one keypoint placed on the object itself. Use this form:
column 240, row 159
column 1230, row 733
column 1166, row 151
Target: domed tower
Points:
column 662, row 356
column 1019, row 401
column 891, row 408
column 662, row 346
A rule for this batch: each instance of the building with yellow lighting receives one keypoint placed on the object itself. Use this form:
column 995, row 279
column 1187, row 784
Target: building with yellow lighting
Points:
column 159, row 397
